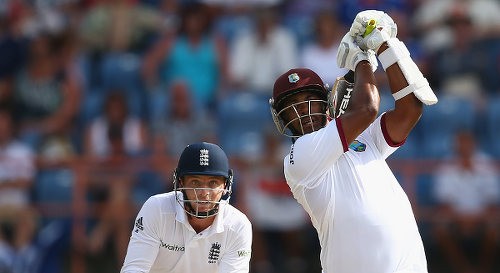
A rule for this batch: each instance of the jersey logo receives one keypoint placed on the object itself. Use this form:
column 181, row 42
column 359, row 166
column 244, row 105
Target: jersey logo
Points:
column 357, row 146
column 213, row 254
column 243, row 253
column 204, row 157
column 291, row 156
column 138, row 225
column 173, row 247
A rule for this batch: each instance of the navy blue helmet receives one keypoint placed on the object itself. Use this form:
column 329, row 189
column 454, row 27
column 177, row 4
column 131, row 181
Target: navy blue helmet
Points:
column 202, row 159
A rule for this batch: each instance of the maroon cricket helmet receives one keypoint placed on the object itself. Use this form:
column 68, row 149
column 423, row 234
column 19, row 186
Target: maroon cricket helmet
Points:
column 295, row 80
column 292, row 82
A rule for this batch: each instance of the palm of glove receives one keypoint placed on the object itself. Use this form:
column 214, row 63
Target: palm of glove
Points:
column 385, row 28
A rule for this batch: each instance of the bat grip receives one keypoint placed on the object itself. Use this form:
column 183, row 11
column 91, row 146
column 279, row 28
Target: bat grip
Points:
column 349, row 76
column 370, row 27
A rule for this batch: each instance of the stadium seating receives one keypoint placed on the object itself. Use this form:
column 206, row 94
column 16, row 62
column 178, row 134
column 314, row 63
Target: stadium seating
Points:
column 243, row 117
column 441, row 121
column 148, row 183
column 53, row 186
column 424, row 191
column 232, row 25
column 301, row 27
column 492, row 145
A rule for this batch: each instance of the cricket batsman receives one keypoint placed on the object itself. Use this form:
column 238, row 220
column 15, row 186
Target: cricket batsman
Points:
column 336, row 167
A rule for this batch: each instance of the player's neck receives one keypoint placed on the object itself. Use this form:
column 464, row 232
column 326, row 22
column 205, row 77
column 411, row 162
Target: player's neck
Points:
column 200, row 224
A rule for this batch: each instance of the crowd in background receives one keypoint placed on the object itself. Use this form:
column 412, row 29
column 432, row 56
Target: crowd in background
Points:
column 107, row 93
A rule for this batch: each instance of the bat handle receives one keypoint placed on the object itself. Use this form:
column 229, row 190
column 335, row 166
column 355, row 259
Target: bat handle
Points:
column 349, row 76
column 370, row 27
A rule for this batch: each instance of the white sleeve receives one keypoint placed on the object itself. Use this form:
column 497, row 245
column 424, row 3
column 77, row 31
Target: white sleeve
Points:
column 377, row 131
column 144, row 243
column 237, row 257
column 314, row 153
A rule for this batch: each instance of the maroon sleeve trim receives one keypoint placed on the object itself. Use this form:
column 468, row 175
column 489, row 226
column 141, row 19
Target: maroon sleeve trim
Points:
column 341, row 134
column 387, row 138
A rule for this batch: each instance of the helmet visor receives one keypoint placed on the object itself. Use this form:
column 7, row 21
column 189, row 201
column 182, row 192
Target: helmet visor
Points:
column 201, row 195
column 201, row 202
column 303, row 117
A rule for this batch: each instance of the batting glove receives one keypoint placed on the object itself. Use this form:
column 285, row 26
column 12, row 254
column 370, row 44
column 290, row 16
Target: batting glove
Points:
column 380, row 26
column 350, row 54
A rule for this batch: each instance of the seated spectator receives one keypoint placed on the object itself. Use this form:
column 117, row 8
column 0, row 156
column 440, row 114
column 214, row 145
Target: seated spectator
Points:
column 113, row 143
column 195, row 54
column 17, row 214
column 119, row 26
column 6, row 92
column 455, row 69
column 110, row 183
column 46, row 93
column 115, row 114
column 468, row 194
column 183, row 123
column 328, row 33
column 279, row 222
column 429, row 21
column 260, row 56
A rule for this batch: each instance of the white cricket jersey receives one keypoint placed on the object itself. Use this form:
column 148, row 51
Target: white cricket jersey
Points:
column 163, row 240
column 363, row 217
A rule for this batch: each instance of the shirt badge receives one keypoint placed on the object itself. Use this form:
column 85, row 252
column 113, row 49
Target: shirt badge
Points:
column 357, row 146
column 213, row 254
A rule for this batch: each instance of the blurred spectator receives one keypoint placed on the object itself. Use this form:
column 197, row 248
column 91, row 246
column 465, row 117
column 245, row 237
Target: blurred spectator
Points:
column 114, row 144
column 246, row 3
column 279, row 223
column 169, row 10
column 195, row 54
column 119, row 26
column 114, row 35
column 12, row 49
column 328, row 33
column 307, row 8
column 46, row 94
column 258, row 57
column 111, row 180
column 183, row 122
column 347, row 9
column 6, row 92
column 17, row 216
column 115, row 114
column 468, row 193
column 455, row 69
column 432, row 25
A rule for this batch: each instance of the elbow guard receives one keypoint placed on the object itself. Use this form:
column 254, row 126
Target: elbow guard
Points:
column 417, row 83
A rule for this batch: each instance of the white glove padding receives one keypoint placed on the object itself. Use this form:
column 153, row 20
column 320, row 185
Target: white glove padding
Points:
column 385, row 28
column 350, row 54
